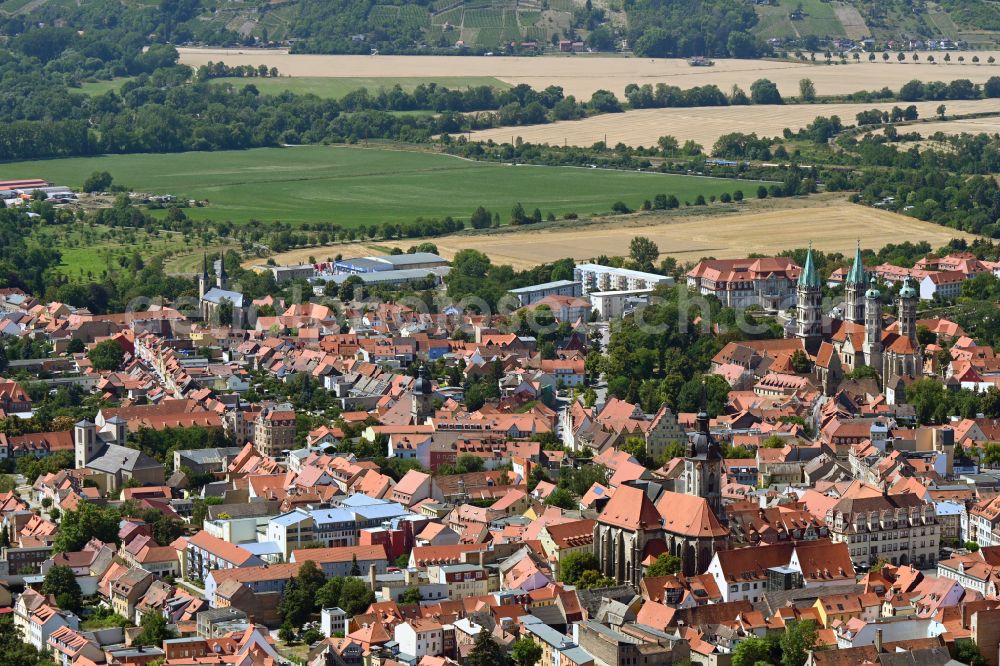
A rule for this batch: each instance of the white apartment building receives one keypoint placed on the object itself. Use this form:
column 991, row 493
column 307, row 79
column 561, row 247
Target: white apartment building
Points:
column 595, row 277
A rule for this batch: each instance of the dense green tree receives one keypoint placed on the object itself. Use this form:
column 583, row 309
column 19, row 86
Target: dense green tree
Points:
column 60, row 581
column 526, row 652
column 967, row 652
column 572, row 566
column 601, row 39
column 411, row 595
column 796, row 642
column 643, row 252
column 800, row 362
column 481, row 219
column 300, row 598
column 753, row 651
column 15, row 650
column 592, row 579
column 224, row 313
column 154, row 629
column 486, row 652
column 106, row 355
column 664, row 565
column 356, row 596
column 97, row 182
column 807, row 90
column 764, row 91
column 87, row 522
column 328, row 596
column 561, row 498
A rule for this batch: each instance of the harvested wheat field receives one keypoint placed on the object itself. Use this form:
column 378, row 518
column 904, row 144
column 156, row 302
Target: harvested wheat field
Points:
column 643, row 127
column 827, row 220
column 834, row 226
column 581, row 75
column 989, row 125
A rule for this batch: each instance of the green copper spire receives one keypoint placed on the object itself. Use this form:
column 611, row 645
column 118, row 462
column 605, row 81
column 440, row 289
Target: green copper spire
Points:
column 809, row 277
column 907, row 291
column 857, row 274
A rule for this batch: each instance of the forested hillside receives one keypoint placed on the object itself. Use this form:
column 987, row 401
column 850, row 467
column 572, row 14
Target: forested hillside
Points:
column 649, row 27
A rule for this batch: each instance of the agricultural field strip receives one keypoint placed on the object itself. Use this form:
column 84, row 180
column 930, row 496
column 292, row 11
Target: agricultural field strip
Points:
column 833, row 226
column 642, row 127
column 582, row 75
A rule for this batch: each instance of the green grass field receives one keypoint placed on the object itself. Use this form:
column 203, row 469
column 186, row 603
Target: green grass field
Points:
column 352, row 186
column 101, row 87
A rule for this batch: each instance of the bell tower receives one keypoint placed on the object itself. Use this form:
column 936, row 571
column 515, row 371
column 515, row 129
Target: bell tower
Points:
column 222, row 280
column 203, row 278
column 422, row 406
column 703, row 463
column 84, row 442
column 908, row 310
column 872, row 346
column 854, row 290
column 809, row 310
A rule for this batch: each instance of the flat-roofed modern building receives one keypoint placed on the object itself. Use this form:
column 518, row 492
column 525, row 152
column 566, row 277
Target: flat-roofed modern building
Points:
column 536, row 292
column 392, row 262
column 595, row 277
column 393, row 277
column 615, row 304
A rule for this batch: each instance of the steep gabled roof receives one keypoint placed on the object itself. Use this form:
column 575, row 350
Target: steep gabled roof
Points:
column 630, row 508
column 688, row 515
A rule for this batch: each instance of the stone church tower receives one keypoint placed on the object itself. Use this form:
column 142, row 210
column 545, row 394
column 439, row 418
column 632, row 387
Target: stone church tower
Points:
column 908, row 310
column 203, row 278
column 422, row 405
column 872, row 346
column 854, row 291
column 809, row 314
column 703, row 467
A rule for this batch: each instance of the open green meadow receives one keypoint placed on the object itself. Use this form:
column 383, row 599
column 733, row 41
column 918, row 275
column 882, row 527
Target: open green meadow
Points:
column 101, row 87
column 351, row 185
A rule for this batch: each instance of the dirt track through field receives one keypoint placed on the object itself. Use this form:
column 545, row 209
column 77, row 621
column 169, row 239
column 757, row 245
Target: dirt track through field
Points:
column 581, row 75
column 766, row 227
column 705, row 125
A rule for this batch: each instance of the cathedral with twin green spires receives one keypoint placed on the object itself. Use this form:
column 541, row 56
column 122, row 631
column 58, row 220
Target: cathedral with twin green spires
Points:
column 861, row 336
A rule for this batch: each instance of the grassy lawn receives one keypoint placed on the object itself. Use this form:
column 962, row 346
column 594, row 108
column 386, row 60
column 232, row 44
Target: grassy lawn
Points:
column 337, row 87
column 352, row 186
column 101, row 87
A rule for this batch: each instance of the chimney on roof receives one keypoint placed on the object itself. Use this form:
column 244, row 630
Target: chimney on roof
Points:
column 878, row 640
